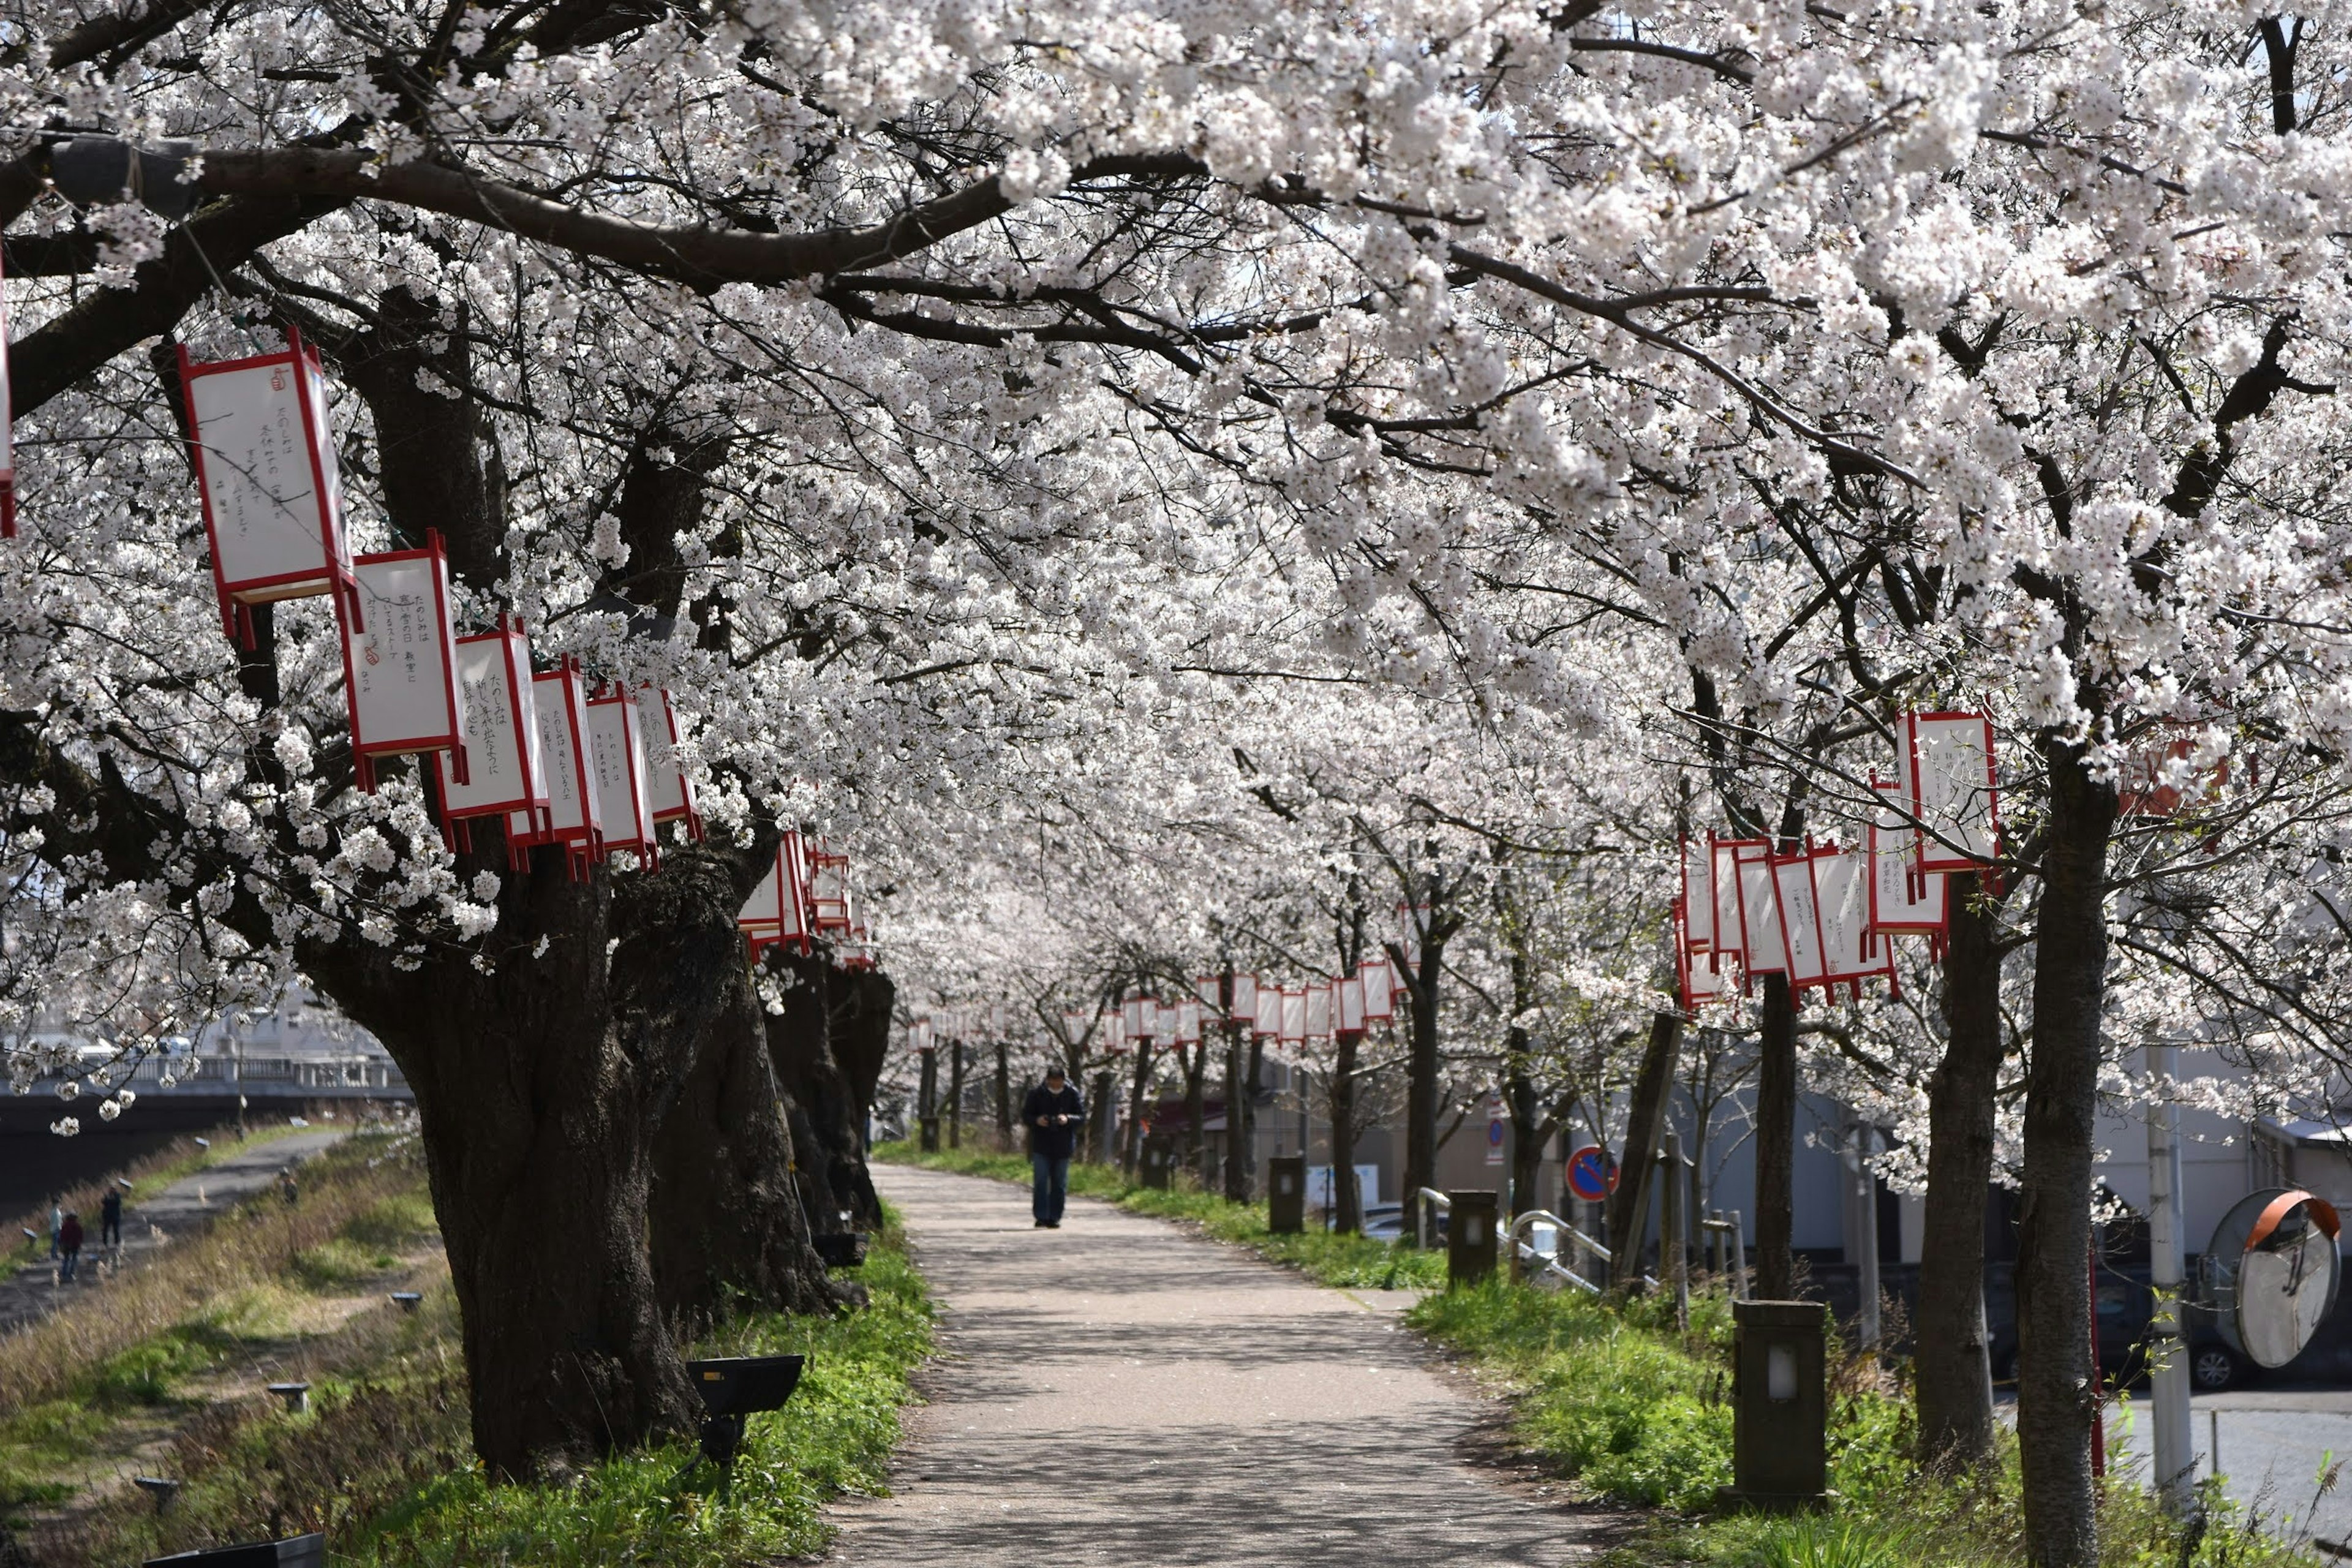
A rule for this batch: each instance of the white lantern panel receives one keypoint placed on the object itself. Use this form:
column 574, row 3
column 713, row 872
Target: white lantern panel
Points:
column 1952, row 790
column 1380, row 990
column 1800, row 925
column 505, row 770
column 261, row 466
column 1762, row 951
column 1187, row 1022
column 1902, row 897
column 672, row 792
column 616, row 763
column 1319, row 1011
column 1842, row 904
column 1351, row 1004
column 573, row 808
column 1722, row 879
column 764, row 911
column 1267, row 1018
column 402, row 668
column 1245, row 996
column 1294, row 1016
column 1699, row 894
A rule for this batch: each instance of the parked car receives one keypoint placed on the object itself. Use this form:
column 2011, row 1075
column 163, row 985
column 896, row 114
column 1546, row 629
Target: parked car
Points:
column 1385, row 1222
column 2127, row 1301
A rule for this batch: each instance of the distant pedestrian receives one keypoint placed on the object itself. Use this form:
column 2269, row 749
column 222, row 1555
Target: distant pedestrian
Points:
column 1053, row 1113
column 68, row 1244
column 110, row 1219
column 56, row 1223
column 286, row 1188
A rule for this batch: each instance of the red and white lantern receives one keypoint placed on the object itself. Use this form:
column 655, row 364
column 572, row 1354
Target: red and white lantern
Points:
column 2160, row 776
column 1947, row 765
column 7, row 435
column 616, row 759
column 400, row 673
column 266, row 472
column 1851, row 952
column 1188, row 1022
column 1726, row 936
column 1698, row 984
column 673, row 790
column 1903, row 901
column 777, row 911
column 496, row 701
column 1265, row 1018
column 1132, row 1018
column 1380, row 990
column 574, row 815
column 1318, row 1010
column 828, row 892
column 1799, row 919
column 1698, row 895
column 1245, row 998
column 857, row 949
column 1761, row 949
column 1294, row 1017
column 1349, row 995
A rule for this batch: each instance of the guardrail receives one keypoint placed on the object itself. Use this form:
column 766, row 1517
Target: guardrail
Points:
column 276, row 1076
column 1515, row 1245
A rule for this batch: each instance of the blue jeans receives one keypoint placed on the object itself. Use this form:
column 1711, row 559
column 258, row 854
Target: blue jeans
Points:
column 1052, row 1186
column 66, row 1270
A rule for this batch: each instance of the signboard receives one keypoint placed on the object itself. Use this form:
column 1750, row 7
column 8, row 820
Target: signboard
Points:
column 1591, row 1173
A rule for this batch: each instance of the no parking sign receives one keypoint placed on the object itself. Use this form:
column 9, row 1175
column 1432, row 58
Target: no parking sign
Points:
column 1591, row 1173
column 1497, row 1121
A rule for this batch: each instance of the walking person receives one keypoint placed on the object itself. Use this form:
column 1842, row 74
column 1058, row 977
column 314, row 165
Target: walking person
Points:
column 56, row 1223
column 69, row 1246
column 1053, row 1113
column 110, row 1219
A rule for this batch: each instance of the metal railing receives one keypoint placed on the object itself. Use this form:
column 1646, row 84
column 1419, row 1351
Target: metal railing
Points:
column 1518, row 1248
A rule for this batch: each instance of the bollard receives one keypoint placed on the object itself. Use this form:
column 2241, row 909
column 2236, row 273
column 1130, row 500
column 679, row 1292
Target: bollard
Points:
column 1286, row 1194
column 930, row 1135
column 296, row 1396
column 1157, row 1158
column 1470, row 1237
column 1780, row 1451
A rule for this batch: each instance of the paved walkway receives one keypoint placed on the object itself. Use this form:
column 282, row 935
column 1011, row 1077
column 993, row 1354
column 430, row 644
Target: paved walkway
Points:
column 1118, row 1391
column 155, row 1222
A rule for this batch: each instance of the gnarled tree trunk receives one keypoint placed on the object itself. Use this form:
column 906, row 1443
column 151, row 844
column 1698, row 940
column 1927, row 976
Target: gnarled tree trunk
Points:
column 1645, row 1118
column 1954, row 1377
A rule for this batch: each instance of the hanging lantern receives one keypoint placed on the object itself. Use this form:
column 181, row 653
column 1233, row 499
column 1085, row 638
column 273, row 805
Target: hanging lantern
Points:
column 572, row 817
column 1902, row 899
column 1799, row 919
column 504, row 771
column 1350, row 998
column 1318, row 1010
column 400, row 674
column 761, row 919
column 1208, row 988
column 1380, row 990
column 828, row 892
column 1265, row 1018
column 2157, row 777
column 1411, row 920
column 617, row 757
column 920, row 1032
column 1130, row 1017
column 673, row 791
column 1188, row 1022
column 1851, row 952
column 1698, row 984
column 1074, row 1028
column 267, row 473
column 1761, row 949
column 1946, row 761
column 1699, row 894
column 1294, row 1017
column 1244, row 997
column 858, row 950
column 1730, row 938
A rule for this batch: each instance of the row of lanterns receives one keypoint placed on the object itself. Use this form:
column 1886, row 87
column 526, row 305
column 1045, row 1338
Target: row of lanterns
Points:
column 554, row 758
column 1319, row 1010
column 1827, row 914
column 807, row 897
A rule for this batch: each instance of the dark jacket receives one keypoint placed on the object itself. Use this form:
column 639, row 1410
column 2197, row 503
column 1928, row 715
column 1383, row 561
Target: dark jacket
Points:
column 111, row 1209
column 1060, row 1141
column 69, row 1235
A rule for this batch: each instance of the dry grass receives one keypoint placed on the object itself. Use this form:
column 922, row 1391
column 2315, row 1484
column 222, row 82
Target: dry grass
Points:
column 256, row 1241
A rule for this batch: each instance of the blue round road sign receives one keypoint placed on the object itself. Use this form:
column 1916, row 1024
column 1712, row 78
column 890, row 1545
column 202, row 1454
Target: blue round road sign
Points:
column 1591, row 1173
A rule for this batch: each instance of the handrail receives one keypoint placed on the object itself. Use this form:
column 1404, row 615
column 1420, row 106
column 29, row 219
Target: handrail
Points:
column 1421, row 1211
column 1552, row 1263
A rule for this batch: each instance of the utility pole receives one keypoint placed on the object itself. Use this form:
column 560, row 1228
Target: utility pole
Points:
column 2175, row 1466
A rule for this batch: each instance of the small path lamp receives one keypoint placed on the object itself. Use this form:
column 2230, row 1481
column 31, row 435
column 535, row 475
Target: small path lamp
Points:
column 734, row 1390
column 294, row 1551
column 296, row 1396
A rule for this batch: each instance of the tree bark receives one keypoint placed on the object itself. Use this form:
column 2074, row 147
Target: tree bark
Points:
column 1004, row 1096
column 1421, row 1077
column 1101, row 1119
column 1645, row 1118
column 1776, row 1133
column 1130, row 1153
column 1240, row 1096
column 955, row 1094
column 820, row 1050
column 1954, row 1377
column 1348, row 1199
column 2057, row 1386
column 1196, row 1112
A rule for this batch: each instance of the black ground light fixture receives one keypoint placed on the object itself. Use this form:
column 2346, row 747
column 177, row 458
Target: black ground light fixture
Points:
column 734, row 1389
column 407, row 1300
column 294, row 1551
column 843, row 1250
column 296, row 1396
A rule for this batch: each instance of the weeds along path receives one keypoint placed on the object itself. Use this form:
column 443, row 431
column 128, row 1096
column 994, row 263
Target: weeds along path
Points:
column 152, row 1222
column 1118, row 1391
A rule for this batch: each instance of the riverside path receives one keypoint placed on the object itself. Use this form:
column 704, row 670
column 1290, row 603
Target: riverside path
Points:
column 1120, row 1391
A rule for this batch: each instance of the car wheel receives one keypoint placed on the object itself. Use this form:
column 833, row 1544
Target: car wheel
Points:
column 2212, row 1368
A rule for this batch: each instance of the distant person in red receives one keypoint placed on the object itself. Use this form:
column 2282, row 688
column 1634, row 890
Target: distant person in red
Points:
column 1053, row 1113
column 69, row 1245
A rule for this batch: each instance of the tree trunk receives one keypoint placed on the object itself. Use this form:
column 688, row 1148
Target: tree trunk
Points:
column 1004, row 1096
column 1529, row 1132
column 955, row 1095
column 1239, row 1096
column 827, row 1013
column 1421, row 1079
column 1196, row 1114
column 728, row 1221
column 2057, row 1386
column 1645, row 1118
column 1102, row 1119
column 1347, row 1198
column 1130, row 1153
column 1954, row 1378
column 1776, row 1133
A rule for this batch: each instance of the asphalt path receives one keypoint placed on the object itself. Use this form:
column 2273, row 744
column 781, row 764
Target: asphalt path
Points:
column 2274, row 1445
column 1121, row 1391
column 152, row 1224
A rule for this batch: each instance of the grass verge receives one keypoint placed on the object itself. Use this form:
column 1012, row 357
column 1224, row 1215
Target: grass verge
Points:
column 382, row 1460
column 1636, row 1411
column 1352, row 1262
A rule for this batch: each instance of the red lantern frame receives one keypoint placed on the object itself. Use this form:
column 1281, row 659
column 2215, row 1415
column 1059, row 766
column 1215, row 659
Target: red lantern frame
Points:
column 359, row 653
column 331, row 573
column 1894, row 878
column 617, row 756
column 1933, row 852
column 673, row 790
column 574, row 815
column 502, row 727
